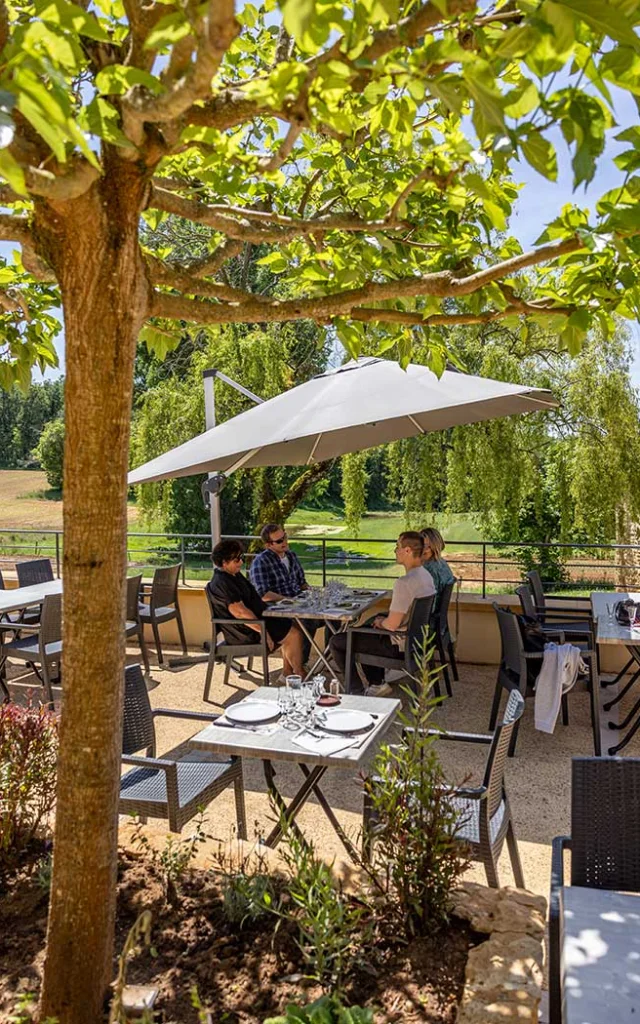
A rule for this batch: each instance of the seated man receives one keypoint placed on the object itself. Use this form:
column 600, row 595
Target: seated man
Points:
column 416, row 582
column 233, row 596
column 276, row 572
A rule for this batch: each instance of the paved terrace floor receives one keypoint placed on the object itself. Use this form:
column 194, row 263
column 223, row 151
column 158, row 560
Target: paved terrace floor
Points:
column 538, row 778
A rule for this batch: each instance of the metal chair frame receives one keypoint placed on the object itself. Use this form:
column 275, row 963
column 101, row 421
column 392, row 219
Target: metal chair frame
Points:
column 442, row 636
column 604, row 846
column 41, row 645
column 133, row 624
column 163, row 606
column 138, row 733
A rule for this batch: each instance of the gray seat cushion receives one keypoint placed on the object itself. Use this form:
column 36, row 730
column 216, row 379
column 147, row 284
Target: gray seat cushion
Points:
column 160, row 614
column 194, row 777
column 469, row 811
column 28, row 648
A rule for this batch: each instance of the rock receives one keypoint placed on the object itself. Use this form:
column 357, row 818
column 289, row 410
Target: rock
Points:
column 476, row 904
column 501, row 965
column 511, row 916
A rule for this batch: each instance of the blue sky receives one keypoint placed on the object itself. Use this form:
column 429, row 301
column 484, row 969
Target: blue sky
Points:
column 540, row 201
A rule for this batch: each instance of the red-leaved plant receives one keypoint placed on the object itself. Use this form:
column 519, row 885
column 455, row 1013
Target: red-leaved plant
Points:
column 28, row 754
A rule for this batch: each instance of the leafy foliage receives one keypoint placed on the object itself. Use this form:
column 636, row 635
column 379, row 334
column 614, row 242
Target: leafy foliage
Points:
column 326, row 1010
column 50, row 453
column 23, row 417
column 28, row 752
column 417, row 856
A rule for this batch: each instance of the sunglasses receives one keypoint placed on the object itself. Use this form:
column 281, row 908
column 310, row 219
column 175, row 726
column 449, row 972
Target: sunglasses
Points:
column 238, row 558
column 278, row 540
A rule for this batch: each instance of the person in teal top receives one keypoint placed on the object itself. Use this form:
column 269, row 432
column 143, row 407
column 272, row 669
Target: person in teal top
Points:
column 434, row 562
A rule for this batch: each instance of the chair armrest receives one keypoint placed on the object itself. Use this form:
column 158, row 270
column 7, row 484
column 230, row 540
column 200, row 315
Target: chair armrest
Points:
column 532, row 655
column 148, row 762
column 461, row 737
column 229, row 622
column 19, row 627
column 559, row 845
column 198, row 716
column 377, row 632
column 470, row 792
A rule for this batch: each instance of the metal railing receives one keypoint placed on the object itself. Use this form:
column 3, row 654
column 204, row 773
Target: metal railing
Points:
column 483, row 566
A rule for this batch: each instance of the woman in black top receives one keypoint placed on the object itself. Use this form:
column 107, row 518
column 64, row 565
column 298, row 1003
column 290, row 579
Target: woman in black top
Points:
column 234, row 596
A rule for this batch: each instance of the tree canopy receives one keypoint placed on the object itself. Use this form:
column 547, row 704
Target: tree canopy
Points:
column 366, row 146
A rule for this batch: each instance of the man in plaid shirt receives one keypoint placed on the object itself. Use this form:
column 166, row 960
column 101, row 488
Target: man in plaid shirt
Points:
column 276, row 572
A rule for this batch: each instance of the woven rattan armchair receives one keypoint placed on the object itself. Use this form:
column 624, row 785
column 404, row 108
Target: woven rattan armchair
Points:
column 162, row 595
column 36, row 570
column 485, row 819
column 230, row 652
column 182, row 782
column 41, row 645
column 570, row 620
column 513, row 673
column 604, row 848
column 418, row 628
column 133, row 625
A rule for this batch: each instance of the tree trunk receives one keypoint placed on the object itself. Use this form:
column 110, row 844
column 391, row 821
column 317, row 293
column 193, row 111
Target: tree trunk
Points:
column 277, row 510
column 92, row 242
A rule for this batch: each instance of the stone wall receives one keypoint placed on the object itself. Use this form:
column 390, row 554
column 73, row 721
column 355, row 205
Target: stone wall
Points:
column 503, row 980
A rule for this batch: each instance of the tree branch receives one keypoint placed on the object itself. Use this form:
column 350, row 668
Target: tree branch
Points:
column 15, row 228
column 211, row 264
column 215, row 32
column 256, row 225
column 69, row 181
column 276, row 160
column 398, row 316
column 227, row 109
column 172, row 276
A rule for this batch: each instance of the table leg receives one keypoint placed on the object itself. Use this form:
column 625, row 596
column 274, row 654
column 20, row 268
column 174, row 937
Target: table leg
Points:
column 322, row 655
column 288, row 814
column 328, row 810
column 635, row 656
column 621, row 674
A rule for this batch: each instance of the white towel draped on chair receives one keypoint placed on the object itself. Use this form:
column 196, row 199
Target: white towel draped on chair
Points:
column 561, row 664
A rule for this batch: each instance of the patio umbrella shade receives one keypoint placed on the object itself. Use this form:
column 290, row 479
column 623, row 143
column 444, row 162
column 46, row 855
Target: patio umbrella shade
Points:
column 366, row 402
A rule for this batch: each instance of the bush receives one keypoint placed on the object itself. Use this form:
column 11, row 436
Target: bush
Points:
column 416, row 855
column 50, row 453
column 28, row 753
column 326, row 1010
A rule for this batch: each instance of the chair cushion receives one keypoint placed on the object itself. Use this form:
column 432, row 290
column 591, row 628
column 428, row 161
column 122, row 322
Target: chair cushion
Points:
column 195, row 774
column 160, row 614
column 469, row 811
column 28, row 648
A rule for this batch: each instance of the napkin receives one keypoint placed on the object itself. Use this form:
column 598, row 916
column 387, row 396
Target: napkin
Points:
column 325, row 745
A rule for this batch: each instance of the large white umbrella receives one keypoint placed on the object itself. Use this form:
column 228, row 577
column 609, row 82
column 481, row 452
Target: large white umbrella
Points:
column 364, row 403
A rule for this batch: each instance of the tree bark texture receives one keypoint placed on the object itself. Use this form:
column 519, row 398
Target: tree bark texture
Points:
column 92, row 242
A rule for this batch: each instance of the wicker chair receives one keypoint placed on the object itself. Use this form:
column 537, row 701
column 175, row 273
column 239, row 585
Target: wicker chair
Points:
column 229, row 652
column 182, row 782
column 566, row 617
column 163, row 606
column 577, row 629
column 418, row 625
column 443, row 638
column 604, row 847
column 42, row 646
column 513, row 674
column 133, row 625
column 36, row 570
column 485, row 813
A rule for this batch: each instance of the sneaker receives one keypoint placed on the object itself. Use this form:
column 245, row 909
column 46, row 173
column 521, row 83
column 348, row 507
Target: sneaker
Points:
column 380, row 690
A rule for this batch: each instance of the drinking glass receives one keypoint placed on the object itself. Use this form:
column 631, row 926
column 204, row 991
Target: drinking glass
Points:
column 294, row 686
column 334, row 688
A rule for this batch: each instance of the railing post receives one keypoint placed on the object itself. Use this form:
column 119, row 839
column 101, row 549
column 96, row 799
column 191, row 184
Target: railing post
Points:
column 484, row 569
column 58, row 554
column 184, row 578
column 324, row 562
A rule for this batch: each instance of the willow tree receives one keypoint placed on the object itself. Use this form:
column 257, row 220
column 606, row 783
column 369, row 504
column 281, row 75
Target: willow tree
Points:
column 368, row 144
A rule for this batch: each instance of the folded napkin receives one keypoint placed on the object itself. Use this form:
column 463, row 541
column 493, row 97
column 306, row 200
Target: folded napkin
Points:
column 325, row 745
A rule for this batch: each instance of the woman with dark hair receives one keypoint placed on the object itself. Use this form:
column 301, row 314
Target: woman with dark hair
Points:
column 433, row 561
column 234, row 596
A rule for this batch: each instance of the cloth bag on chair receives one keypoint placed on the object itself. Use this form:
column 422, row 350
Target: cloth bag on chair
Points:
column 561, row 664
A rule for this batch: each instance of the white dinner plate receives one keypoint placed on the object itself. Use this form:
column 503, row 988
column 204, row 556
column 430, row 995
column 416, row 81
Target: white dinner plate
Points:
column 252, row 712
column 341, row 720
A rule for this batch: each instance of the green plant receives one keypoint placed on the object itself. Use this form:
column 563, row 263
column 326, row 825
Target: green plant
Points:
column 248, row 890
column 44, row 868
column 175, row 858
column 416, row 856
column 139, row 933
column 50, row 452
column 28, row 752
column 333, row 926
column 326, row 1010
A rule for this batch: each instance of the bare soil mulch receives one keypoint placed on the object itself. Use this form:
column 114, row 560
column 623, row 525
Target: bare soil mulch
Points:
column 242, row 975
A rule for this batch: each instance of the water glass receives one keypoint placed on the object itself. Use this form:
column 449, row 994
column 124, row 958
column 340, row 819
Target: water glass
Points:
column 294, row 686
column 334, row 688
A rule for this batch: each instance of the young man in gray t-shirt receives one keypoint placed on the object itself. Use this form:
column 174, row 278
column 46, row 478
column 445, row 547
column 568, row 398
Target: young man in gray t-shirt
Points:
column 416, row 582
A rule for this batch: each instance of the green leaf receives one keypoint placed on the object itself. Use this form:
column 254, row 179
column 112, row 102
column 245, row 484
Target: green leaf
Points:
column 117, row 79
column 158, row 341
column 298, row 16
column 576, row 330
column 275, row 261
column 563, row 23
column 516, row 41
column 49, row 131
column 604, row 18
column 102, row 119
column 12, row 172
column 170, row 29
column 70, row 16
column 521, row 100
column 539, row 152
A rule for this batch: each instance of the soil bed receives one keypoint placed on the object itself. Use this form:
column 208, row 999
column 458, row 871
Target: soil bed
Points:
column 242, row 975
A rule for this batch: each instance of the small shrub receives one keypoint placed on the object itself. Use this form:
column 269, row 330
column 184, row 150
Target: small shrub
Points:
column 326, row 1010
column 174, row 859
column 333, row 927
column 416, row 857
column 248, row 890
column 50, row 453
column 28, row 753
